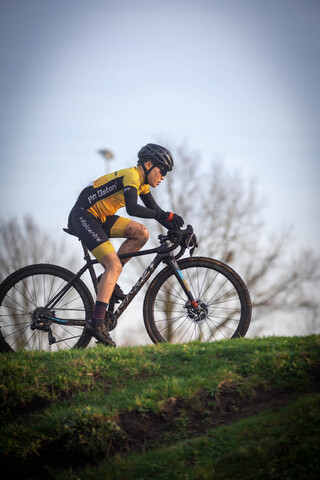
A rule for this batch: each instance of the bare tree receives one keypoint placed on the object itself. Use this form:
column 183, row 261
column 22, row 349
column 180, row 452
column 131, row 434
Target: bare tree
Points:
column 23, row 242
column 226, row 213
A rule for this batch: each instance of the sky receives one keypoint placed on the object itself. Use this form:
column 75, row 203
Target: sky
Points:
column 234, row 79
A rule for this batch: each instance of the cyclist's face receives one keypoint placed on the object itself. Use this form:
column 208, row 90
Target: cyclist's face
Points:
column 155, row 177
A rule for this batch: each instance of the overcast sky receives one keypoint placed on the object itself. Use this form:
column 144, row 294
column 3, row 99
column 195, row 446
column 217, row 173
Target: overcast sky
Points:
column 238, row 79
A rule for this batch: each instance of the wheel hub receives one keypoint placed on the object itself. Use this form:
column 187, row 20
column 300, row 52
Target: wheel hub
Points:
column 198, row 314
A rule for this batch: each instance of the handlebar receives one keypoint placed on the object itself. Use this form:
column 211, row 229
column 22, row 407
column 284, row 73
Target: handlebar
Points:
column 184, row 238
column 177, row 237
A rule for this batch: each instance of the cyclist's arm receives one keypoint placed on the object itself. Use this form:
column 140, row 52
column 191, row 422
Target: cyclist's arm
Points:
column 136, row 210
column 167, row 219
column 151, row 210
column 150, row 202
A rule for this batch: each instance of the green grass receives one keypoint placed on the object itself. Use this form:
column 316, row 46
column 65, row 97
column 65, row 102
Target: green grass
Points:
column 239, row 408
column 274, row 445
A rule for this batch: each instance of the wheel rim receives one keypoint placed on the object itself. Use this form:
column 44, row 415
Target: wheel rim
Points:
column 22, row 309
column 219, row 312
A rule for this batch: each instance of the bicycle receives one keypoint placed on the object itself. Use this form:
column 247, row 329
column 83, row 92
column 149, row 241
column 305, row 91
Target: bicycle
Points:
column 45, row 307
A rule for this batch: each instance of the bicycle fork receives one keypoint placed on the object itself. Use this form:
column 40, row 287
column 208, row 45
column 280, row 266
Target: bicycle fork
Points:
column 173, row 264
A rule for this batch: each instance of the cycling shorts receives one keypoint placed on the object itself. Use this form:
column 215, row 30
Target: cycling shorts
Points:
column 93, row 233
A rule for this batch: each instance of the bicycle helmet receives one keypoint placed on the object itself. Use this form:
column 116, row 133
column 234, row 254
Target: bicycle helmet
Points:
column 159, row 156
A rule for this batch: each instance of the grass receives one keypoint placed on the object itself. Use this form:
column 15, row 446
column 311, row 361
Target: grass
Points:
column 167, row 411
column 269, row 445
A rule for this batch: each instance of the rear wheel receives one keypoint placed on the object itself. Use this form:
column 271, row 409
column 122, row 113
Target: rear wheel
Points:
column 224, row 305
column 26, row 324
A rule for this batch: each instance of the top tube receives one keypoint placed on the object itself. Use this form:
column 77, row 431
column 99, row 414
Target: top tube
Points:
column 176, row 237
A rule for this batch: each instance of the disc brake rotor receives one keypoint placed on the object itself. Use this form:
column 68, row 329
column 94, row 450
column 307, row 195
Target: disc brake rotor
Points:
column 198, row 314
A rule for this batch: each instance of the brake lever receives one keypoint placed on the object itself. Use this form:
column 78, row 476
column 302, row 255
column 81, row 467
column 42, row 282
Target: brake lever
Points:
column 178, row 233
column 189, row 238
column 194, row 242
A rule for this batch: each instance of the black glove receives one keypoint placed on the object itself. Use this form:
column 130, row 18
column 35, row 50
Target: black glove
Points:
column 169, row 220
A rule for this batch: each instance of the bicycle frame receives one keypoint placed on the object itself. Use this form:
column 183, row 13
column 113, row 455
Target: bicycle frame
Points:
column 41, row 300
column 164, row 255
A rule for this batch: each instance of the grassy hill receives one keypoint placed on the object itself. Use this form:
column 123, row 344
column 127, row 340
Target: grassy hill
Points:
column 245, row 408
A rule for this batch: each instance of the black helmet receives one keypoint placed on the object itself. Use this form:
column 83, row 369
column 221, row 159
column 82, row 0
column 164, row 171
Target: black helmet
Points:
column 159, row 156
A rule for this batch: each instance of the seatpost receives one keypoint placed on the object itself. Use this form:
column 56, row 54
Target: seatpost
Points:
column 90, row 262
column 86, row 253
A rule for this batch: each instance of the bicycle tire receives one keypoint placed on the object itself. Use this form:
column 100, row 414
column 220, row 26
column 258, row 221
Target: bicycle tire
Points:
column 218, row 289
column 30, row 288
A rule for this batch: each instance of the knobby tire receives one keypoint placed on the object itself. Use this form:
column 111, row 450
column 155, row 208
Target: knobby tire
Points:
column 30, row 288
column 218, row 289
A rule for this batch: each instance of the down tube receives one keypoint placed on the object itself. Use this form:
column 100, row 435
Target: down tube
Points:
column 137, row 287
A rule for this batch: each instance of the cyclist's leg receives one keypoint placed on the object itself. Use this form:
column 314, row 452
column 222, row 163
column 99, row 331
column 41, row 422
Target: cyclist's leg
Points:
column 93, row 234
column 90, row 231
column 108, row 280
column 135, row 233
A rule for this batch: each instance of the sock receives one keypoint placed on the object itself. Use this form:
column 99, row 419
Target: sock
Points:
column 99, row 312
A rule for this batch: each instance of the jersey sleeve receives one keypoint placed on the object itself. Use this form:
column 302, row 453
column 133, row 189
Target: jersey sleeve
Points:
column 132, row 179
column 150, row 202
column 145, row 189
column 132, row 206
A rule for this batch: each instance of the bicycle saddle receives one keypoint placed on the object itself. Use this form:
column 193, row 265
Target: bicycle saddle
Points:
column 68, row 231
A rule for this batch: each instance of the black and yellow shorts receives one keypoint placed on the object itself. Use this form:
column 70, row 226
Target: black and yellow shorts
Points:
column 95, row 234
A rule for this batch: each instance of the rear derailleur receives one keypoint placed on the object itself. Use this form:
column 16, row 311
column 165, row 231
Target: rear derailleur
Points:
column 41, row 321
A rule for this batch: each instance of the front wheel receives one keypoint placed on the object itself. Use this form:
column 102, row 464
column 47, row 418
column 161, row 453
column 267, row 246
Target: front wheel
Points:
column 26, row 324
column 224, row 305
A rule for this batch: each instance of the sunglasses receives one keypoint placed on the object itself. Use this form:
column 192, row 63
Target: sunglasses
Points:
column 163, row 171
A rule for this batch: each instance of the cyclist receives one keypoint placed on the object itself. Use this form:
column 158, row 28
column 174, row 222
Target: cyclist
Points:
column 93, row 220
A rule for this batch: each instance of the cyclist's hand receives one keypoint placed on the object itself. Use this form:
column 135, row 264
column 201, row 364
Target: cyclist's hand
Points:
column 169, row 219
column 167, row 225
column 175, row 219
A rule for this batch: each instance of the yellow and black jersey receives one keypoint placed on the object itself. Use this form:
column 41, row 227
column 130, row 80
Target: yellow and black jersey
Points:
column 105, row 196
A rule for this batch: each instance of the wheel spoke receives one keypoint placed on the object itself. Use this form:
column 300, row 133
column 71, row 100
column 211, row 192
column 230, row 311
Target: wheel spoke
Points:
column 22, row 305
column 224, row 304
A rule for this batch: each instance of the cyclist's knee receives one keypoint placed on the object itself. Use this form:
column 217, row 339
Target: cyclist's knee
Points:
column 137, row 231
column 112, row 263
column 117, row 267
column 143, row 233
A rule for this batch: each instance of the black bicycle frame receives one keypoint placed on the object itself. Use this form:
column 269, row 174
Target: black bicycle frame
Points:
column 165, row 257
column 138, row 285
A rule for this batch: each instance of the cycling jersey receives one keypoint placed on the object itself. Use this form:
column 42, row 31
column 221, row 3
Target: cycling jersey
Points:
column 93, row 218
column 106, row 195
